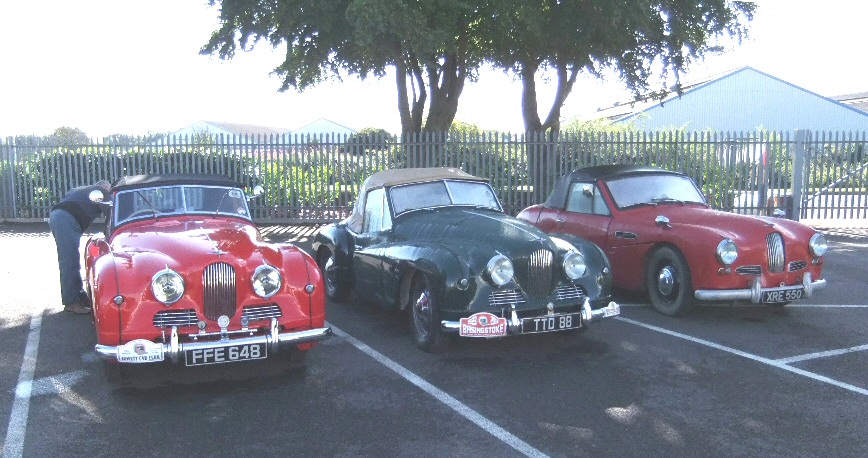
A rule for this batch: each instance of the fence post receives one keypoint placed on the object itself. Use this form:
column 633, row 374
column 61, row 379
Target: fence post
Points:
column 799, row 168
column 8, row 200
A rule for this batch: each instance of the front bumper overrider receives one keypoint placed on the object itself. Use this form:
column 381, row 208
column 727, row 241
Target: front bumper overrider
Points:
column 756, row 291
column 514, row 324
column 274, row 340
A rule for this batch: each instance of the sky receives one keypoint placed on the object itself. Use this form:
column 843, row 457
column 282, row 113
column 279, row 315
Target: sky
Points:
column 133, row 67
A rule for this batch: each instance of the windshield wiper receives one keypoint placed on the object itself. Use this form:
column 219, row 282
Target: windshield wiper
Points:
column 667, row 200
column 639, row 204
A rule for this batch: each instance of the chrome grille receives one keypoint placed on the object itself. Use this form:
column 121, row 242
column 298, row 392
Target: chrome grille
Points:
column 261, row 312
column 537, row 279
column 776, row 252
column 180, row 318
column 220, row 298
column 567, row 292
column 797, row 265
column 505, row 298
column 750, row 270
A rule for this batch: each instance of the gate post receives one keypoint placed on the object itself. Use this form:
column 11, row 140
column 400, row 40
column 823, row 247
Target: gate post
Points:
column 799, row 169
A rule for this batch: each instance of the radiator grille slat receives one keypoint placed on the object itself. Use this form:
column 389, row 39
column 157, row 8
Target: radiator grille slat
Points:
column 179, row 318
column 570, row 292
column 538, row 282
column 262, row 312
column 505, row 298
column 776, row 252
column 796, row 266
column 220, row 296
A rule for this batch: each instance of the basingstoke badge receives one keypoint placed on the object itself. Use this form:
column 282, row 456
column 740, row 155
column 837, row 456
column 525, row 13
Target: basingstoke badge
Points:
column 482, row 324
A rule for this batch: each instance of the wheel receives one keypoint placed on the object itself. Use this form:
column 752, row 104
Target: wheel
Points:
column 336, row 289
column 668, row 282
column 424, row 316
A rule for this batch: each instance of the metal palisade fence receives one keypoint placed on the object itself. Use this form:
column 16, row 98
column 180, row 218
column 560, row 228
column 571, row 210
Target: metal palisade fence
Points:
column 814, row 175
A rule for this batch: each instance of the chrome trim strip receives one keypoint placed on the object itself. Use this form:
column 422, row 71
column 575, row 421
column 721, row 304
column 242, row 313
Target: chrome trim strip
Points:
column 755, row 292
column 174, row 349
column 514, row 325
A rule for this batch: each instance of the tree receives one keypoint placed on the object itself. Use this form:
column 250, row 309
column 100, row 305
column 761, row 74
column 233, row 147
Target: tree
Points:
column 429, row 44
column 68, row 136
column 436, row 45
column 637, row 39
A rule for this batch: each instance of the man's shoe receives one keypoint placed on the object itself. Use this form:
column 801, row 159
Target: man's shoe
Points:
column 79, row 308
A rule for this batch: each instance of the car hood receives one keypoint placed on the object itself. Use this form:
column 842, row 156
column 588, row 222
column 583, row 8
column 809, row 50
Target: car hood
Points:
column 725, row 224
column 470, row 229
column 189, row 241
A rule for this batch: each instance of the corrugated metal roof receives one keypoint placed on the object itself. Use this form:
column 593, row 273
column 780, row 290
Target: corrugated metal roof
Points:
column 743, row 100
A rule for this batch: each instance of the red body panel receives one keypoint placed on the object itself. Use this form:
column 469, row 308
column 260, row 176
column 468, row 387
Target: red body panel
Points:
column 124, row 265
column 629, row 236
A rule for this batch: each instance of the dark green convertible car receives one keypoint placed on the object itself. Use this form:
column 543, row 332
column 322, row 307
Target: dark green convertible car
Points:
column 436, row 242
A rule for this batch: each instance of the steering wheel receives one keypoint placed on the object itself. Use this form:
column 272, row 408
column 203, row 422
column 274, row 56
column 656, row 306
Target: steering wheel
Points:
column 143, row 211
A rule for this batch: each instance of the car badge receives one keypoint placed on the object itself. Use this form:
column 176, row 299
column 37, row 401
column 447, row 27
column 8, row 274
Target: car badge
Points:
column 482, row 324
column 223, row 322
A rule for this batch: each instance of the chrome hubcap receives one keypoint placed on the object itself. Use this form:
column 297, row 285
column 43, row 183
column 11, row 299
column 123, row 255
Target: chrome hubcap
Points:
column 422, row 313
column 666, row 281
column 330, row 274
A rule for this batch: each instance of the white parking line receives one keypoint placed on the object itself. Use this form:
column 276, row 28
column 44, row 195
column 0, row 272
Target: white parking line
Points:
column 798, row 305
column 456, row 405
column 821, row 354
column 760, row 359
column 830, row 306
column 13, row 446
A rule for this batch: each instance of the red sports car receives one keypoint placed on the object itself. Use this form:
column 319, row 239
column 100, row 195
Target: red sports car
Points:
column 663, row 238
column 182, row 274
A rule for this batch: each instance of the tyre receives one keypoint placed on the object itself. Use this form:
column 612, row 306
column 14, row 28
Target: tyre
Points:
column 668, row 282
column 424, row 316
column 336, row 288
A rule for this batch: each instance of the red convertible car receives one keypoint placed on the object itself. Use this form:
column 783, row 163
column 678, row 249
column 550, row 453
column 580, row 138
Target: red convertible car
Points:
column 183, row 275
column 663, row 238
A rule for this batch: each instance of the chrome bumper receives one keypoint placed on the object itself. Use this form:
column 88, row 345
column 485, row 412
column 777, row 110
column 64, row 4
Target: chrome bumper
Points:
column 514, row 324
column 274, row 340
column 756, row 291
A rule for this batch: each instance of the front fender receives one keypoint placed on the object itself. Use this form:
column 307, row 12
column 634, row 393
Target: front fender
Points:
column 300, row 270
column 443, row 267
column 598, row 280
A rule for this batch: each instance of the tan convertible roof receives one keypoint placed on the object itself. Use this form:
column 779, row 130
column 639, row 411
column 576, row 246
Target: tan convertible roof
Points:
column 393, row 177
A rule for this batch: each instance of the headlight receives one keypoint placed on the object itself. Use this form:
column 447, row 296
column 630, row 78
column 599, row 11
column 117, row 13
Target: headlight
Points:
column 168, row 286
column 574, row 265
column 266, row 281
column 500, row 270
column 727, row 252
column 819, row 245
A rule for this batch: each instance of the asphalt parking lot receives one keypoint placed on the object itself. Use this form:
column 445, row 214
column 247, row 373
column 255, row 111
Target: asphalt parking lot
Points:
column 722, row 381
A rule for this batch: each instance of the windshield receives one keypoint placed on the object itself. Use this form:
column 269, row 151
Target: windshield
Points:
column 443, row 194
column 654, row 189
column 179, row 200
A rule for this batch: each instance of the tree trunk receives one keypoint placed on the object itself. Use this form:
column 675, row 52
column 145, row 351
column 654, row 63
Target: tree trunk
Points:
column 540, row 137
